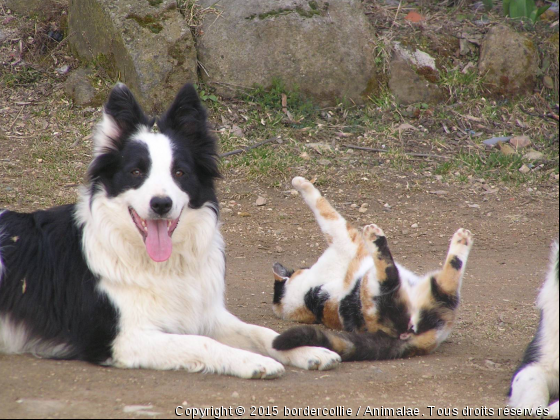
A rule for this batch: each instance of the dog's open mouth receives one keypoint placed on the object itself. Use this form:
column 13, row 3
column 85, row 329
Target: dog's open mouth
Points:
column 156, row 234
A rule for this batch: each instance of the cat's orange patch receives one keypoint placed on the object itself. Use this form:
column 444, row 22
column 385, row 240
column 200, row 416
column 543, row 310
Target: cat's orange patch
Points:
column 331, row 317
column 355, row 264
column 303, row 315
column 296, row 275
column 325, row 209
column 424, row 343
column 340, row 345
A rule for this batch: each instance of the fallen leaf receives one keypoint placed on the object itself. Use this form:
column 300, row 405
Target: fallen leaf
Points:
column 415, row 17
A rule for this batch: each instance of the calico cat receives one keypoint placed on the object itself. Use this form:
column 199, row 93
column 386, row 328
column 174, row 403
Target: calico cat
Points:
column 385, row 310
column 535, row 382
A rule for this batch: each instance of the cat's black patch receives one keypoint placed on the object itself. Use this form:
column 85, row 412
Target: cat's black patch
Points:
column 279, row 291
column 354, row 347
column 429, row 319
column 383, row 247
column 350, row 310
column 445, row 299
column 315, row 300
column 456, row 263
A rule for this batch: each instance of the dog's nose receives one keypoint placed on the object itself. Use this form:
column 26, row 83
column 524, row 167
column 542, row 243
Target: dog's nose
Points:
column 161, row 205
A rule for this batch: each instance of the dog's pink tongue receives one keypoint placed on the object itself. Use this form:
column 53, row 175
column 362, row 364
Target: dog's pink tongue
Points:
column 158, row 241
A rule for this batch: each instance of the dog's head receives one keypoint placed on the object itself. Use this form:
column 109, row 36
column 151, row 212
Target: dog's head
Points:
column 154, row 176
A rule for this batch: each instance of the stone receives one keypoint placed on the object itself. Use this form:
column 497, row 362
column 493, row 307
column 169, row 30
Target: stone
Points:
column 324, row 48
column 508, row 62
column 79, row 88
column 409, row 87
column 533, row 155
column 520, row 142
column 524, row 169
column 261, row 201
column 148, row 43
column 31, row 7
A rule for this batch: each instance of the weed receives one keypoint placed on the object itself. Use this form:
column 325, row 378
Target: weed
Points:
column 194, row 14
column 22, row 77
column 271, row 100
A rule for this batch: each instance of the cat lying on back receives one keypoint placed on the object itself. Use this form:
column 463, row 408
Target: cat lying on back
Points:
column 385, row 310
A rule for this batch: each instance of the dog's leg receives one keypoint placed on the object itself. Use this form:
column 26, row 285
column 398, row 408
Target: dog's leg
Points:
column 235, row 333
column 529, row 388
column 161, row 351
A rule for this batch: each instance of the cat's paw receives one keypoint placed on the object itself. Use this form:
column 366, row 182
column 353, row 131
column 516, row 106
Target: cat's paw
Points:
column 463, row 237
column 372, row 232
column 302, row 184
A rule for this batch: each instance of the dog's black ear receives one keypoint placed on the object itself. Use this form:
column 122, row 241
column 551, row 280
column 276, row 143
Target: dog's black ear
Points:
column 185, row 122
column 122, row 116
column 186, row 114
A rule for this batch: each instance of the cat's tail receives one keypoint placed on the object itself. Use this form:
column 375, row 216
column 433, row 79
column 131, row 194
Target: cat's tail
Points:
column 350, row 346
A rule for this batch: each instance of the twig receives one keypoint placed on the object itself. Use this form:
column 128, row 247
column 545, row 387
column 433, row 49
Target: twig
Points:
column 248, row 148
column 369, row 149
column 16, row 118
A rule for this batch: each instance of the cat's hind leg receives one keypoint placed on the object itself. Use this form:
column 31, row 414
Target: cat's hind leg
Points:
column 337, row 231
column 450, row 277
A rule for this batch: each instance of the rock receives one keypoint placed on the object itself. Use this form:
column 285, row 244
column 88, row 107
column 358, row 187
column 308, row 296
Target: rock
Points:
column 325, row 48
column 235, row 395
column 305, row 156
column 30, row 7
column 414, row 225
column 533, row 155
column 414, row 17
column 508, row 62
column 79, row 88
column 520, row 142
column 524, row 169
column 408, row 87
column 495, row 140
column 243, row 214
column 506, row 149
column 63, row 69
column 261, row 201
column 324, row 162
column 147, row 43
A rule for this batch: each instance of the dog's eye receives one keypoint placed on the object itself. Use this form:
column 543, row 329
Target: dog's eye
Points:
column 179, row 173
column 136, row 172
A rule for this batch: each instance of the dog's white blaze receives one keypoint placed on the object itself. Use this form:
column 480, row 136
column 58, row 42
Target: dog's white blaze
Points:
column 160, row 180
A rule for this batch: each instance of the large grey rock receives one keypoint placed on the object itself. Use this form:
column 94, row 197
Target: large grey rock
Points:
column 147, row 42
column 325, row 48
column 508, row 62
column 409, row 87
column 80, row 89
column 27, row 7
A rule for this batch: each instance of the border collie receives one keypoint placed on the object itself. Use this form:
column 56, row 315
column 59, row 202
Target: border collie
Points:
column 132, row 275
column 535, row 383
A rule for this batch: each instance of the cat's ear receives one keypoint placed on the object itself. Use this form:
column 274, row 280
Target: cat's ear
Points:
column 281, row 273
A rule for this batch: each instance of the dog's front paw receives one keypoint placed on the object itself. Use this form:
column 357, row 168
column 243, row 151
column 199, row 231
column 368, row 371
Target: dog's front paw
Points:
column 310, row 358
column 257, row 367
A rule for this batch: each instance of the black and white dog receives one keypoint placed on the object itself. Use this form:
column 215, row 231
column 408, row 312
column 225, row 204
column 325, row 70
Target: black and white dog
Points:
column 133, row 274
column 535, row 383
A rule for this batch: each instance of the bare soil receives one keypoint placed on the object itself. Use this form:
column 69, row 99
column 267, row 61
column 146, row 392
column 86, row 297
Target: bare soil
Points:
column 472, row 369
column 45, row 146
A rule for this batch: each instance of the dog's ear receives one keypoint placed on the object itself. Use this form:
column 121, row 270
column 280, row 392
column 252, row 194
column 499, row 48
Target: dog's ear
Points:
column 185, row 123
column 186, row 114
column 122, row 116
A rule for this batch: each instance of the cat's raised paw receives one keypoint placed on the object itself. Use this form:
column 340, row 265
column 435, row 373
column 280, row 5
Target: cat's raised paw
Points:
column 462, row 237
column 372, row 232
column 302, row 184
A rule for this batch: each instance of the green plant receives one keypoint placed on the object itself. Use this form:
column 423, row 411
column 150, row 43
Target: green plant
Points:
column 204, row 95
column 520, row 9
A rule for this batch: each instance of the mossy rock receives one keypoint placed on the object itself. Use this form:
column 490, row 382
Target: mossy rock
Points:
column 324, row 48
column 145, row 42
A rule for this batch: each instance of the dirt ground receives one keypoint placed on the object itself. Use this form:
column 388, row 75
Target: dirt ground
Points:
column 45, row 146
column 472, row 369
